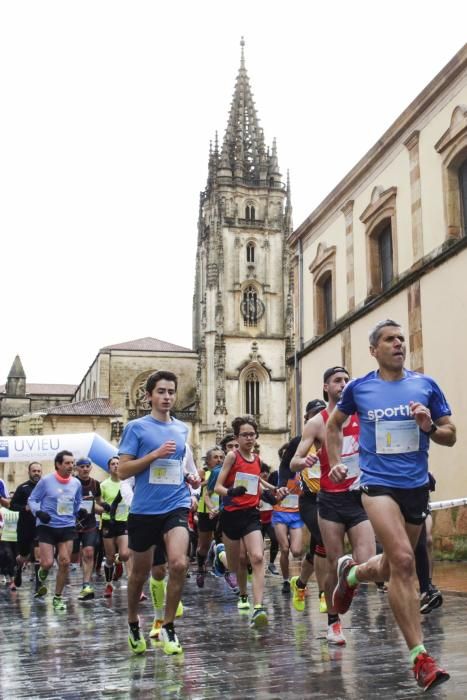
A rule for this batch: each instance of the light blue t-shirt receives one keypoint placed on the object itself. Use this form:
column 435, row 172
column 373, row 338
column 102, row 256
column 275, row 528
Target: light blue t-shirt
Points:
column 393, row 450
column 61, row 501
column 161, row 487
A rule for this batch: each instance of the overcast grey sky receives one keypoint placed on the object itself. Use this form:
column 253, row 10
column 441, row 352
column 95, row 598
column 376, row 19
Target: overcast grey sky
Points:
column 107, row 112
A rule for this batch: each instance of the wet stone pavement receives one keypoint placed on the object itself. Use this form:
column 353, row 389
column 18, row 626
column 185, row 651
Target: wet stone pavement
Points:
column 83, row 653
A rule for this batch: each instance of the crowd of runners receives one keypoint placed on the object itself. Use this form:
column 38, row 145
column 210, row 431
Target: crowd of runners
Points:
column 356, row 481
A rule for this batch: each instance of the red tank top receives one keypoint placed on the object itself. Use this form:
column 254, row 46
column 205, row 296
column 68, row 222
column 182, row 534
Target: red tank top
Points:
column 242, row 466
column 349, row 457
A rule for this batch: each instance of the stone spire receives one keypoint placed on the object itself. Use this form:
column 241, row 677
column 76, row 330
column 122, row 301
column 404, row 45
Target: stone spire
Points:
column 16, row 382
column 243, row 149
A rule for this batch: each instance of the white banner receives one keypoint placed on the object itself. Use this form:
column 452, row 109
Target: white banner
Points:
column 27, row 448
column 437, row 505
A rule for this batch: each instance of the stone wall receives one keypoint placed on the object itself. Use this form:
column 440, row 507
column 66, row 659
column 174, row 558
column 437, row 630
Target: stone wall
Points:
column 450, row 533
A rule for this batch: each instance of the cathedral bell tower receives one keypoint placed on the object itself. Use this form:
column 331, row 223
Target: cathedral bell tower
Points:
column 242, row 306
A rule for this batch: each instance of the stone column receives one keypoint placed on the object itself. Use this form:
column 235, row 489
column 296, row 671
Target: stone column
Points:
column 416, row 194
column 347, row 210
column 415, row 327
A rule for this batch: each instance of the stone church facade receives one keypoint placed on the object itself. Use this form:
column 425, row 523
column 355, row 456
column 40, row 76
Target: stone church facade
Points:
column 242, row 307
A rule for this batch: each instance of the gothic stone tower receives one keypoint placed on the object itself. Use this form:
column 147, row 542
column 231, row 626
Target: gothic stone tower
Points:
column 242, row 309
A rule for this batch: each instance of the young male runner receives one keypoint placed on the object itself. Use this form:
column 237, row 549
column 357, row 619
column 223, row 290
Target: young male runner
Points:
column 114, row 524
column 152, row 449
column 400, row 411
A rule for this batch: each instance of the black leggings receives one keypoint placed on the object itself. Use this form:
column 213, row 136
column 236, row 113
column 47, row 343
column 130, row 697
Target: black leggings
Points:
column 422, row 562
column 268, row 529
column 7, row 558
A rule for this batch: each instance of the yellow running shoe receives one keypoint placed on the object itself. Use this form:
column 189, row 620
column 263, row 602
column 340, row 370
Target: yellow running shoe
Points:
column 323, row 608
column 243, row 603
column 259, row 617
column 298, row 595
column 136, row 641
column 179, row 612
column 170, row 643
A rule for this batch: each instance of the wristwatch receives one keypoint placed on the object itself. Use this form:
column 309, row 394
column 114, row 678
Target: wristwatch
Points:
column 433, row 429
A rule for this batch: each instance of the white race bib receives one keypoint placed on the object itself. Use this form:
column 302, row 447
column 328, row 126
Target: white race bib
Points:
column 87, row 505
column 290, row 501
column 397, row 436
column 249, row 481
column 64, row 506
column 9, row 527
column 215, row 500
column 166, row 471
column 313, row 472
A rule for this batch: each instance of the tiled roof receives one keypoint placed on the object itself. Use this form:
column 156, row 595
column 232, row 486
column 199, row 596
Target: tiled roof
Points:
column 149, row 345
column 91, row 407
column 54, row 389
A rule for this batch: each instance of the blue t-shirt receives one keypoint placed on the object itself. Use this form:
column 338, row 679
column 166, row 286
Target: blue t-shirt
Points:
column 393, row 450
column 161, row 487
column 61, row 501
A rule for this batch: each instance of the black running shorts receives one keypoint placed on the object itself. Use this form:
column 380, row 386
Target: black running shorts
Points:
column 207, row 524
column 145, row 531
column 413, row 503
column 238, row 523
column 344, row 508
column 55, row 535
column 114, row 528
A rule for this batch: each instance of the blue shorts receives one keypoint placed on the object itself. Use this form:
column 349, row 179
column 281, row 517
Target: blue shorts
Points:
column 292, row 520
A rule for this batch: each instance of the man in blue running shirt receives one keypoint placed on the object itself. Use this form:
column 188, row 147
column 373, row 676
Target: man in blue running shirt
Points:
column 152, row 450
column 400, row 411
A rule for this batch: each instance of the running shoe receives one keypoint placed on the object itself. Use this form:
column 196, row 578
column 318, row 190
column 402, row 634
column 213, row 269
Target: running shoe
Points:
column 179, row 612
column 273, row 570
column 170, row 643
column 343, row 593
column 200, row 579
column 286, row 587
column 18, row 580
column 335, row 635
column 118, row 571
column 427, row 672
column 41, row 588
column 259, row 617
column 136, row 641
column 86, row 593
column 323, row 606
column 59, row 605
column 243, row 603
column 298, row 595
column 219, row 568
column 156, row 629
column 109, row 589
column 231, row 581
column 430, row 600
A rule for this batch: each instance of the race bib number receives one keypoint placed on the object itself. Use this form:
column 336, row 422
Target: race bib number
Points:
column 397, row 436
column 9, row 527
column 290, row 501
column 166, row 471
column 87, row 505
column 64, row 506
column 122, row 510
column 249, row 481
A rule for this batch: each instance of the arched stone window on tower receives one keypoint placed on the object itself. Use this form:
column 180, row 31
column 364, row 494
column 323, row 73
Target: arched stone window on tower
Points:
column 250, row 213
column 380, row 227
column 452, row 146
column 252, row 394
column 252, row 307
column 250, row 252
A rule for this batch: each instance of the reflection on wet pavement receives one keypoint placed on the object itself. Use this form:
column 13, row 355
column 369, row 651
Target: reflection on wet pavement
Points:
column 83, row 653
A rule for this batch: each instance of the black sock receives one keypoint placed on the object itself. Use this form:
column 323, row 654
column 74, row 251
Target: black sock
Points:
column 300, row 583
column 134, row 626
column 169, row 626
column 37, row 566
column 332, row 619
column 108, row 572
column 201, row 558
